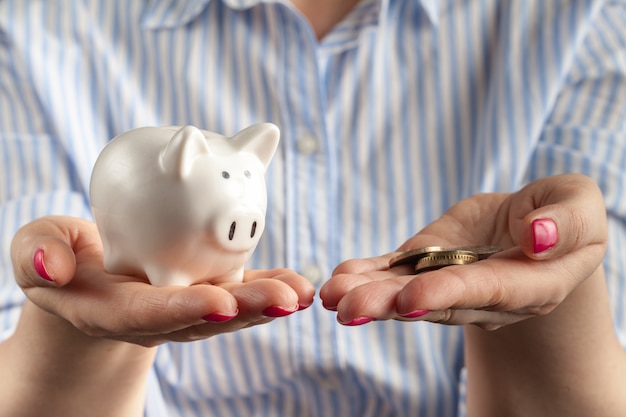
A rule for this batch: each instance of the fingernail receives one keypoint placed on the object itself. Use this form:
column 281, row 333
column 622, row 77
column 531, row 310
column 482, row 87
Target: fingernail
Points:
column 219, row 317
column 355, row 322
column 545, row 234
column 277, row 311
column 304, row 306
column 415, row 314
column 40, row 267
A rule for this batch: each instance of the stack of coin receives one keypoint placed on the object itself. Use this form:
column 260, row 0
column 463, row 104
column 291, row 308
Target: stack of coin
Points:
column 430, row 258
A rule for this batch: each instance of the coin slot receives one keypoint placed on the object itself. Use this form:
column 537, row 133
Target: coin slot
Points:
column 231, row 233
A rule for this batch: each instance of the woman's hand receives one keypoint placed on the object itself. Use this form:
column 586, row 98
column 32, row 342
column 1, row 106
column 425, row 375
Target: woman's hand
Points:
column 554, row 234
column 58, row 264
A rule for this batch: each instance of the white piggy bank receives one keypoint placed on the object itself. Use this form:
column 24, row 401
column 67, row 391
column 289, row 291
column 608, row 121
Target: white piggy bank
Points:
column 182, row 205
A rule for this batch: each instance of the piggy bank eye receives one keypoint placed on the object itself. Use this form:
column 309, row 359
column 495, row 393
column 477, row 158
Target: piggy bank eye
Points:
column 225, row 174
column 247, row 173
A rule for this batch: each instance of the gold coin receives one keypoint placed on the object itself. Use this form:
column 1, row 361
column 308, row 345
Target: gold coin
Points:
column 437, row 260
column 434, row 257
column 412, row 256
column 483, row 252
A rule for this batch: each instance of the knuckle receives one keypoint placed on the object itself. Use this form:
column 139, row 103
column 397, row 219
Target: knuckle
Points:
column 498, row 292
column 578, row 228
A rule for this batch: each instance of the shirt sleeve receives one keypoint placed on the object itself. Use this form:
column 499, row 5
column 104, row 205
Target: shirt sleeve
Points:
column 36, row 175
column 586, row 133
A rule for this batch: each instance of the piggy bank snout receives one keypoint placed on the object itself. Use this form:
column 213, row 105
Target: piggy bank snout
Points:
column 239, row 231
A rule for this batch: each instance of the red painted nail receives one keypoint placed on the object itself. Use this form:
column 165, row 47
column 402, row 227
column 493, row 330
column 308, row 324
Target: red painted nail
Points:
column 415, row 314
column 355, row 322
column 218, row 317
column 277, row 311
column 40, row 267
column 545, row 234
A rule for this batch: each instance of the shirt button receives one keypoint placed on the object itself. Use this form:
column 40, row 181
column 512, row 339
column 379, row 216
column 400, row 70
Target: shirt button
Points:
column 313, row 273
column 307, row 145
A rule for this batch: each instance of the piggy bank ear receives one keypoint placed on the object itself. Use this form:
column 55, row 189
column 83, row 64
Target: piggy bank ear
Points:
column 261, row 139
column 183, row 148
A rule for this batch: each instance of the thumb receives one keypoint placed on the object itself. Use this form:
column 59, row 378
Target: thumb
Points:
column 569, row 214
column 43, row 251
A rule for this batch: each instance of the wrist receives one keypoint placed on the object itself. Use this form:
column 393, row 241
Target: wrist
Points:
column 530, row 366
column 61, row 365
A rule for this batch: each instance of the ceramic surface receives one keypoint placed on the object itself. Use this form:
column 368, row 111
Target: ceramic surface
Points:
column 182, row 205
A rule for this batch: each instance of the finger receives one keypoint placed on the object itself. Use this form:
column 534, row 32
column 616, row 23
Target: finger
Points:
column 374, row 300
column 508, row 282
column 476, row 286
column 487, row 320
column 338, row 286
column 469, row 222
column 43, row 251
column 302, row 286
column 263, row 297
column 101, row 305
column 355, row 272
column 204, row 331
column 378, row 301
column 335, row 289
column 559, row 215
column 157, row 310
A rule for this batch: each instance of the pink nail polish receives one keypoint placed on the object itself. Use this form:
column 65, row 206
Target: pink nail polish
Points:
column 277, row 311
column 545, row 234
column 218, row 317
column 415, row 314
column 40, row 267
column 355, row 322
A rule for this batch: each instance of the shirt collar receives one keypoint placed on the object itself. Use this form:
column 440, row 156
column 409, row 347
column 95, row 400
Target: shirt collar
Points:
column 168, row 14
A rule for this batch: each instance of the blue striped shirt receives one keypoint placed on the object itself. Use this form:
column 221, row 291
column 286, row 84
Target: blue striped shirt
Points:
column 403, row 109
